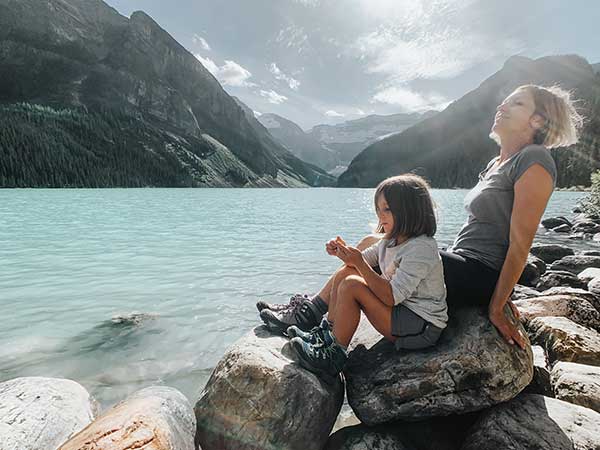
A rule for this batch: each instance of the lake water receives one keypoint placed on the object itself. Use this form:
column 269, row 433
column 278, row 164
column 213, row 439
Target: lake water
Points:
column 194, row 260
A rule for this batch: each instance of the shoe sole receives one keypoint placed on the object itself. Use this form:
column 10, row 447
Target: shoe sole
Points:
column 320, row 373
column 274, row 326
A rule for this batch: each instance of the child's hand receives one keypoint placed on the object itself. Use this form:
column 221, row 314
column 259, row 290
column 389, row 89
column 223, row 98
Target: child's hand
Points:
column 332, row 245
column 351, row 256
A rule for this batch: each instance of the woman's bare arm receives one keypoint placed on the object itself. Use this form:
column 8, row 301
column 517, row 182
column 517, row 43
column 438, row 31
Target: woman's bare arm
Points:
column 532, row 192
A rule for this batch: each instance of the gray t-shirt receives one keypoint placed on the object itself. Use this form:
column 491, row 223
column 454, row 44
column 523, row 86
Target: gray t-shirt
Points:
column 414, row 270
column 485, row 235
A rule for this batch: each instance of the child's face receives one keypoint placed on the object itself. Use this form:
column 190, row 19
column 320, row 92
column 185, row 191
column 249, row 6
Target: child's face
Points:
column 384, row 214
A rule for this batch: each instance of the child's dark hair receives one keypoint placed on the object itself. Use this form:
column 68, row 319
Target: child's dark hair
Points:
column 408, row 198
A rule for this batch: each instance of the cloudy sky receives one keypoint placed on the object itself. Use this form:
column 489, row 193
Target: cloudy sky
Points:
column 326, row 61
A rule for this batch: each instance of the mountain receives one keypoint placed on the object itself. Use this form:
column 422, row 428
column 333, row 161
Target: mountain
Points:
column 91, row 98
column 301, row 144
column 596, row 67
column 452, row 147
column 332, row 147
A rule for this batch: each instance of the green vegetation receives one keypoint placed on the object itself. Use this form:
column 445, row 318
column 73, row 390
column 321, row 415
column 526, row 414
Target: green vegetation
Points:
column 45, row 147
column 591, row 204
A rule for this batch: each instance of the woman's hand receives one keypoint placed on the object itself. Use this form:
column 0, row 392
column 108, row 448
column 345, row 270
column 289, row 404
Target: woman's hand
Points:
column 351, row 256
column 507, row 329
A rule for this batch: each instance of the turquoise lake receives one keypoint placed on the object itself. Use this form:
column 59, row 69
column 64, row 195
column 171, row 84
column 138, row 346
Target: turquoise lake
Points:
column 193, row 260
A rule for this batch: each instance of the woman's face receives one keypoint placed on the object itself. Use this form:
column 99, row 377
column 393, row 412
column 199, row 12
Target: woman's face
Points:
column 384, row 214
column 515, row 114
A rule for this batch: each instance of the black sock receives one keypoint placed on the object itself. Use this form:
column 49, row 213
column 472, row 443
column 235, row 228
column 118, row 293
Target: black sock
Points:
column 320, row 304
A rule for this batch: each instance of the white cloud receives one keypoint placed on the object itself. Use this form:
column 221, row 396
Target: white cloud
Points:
column 410, row 100
column 332, row 113
column 279, row 75
column 229, row 74
column 273, row 97
column 199, row 40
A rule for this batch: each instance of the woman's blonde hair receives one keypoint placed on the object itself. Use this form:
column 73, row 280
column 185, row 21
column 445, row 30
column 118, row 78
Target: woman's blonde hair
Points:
column 562, row 121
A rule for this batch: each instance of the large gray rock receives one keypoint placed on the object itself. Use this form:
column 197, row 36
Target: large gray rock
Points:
column 553, row 222
column 564, row 228
column 556, row 278
column 258, row 397
column 541, row 373
column 445, row 433
column 41, row 413
column 521, row 292
column 564, row 340
column 577, row 383
column 591, row 253
column 533, row 270
column 594, row 286
column 575, row 292
column 577, row 309
column 576, row 263
column 586, row 226
column 535, row 422
column 550, row 252
column 154, row 418
column 469, row 369
column 589, row 274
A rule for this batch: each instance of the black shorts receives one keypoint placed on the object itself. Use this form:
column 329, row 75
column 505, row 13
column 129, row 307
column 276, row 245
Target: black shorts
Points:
column 411, row 330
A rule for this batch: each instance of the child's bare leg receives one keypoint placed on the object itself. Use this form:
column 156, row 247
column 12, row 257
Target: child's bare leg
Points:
column 330, row 289
column 354, row 295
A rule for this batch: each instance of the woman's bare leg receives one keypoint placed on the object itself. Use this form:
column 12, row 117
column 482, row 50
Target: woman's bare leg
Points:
column 353, row 296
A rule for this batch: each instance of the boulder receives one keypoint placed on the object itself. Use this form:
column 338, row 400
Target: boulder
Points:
column 590, row 252
column 553, row 222
column 41, row 413
column 577, row 383
column 550, row 252
column 533, row 270
column 541, row 373
column 577, row 309
column 535, row 422
column 445, row 433
column 589, row 274
column 259, row 397
column 575, row 292
column 564, row 228
column 521, row 292
column 576, row 263
column 556, row 278
column 564, row 340
column 594, row 286
column 470, row 368
column 586, row 226
column 154, row 418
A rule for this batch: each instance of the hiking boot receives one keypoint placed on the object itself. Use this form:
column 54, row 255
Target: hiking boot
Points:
column 278, row 307
column 321, row 335
column 305, row 315
column 324, row 361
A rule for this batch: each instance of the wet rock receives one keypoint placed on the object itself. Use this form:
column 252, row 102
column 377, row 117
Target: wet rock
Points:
column 577, row 383
column 591, row 253
column 541, row 373
column 41, row 413
column 586, row 226
column 564, row 228
column 576, row 263
column 534, row 268
column 555, row 278
column 553, row 222
column 577, row 309
column 259, row 397
column 469, row 369
column 564, row 340
column 535, row 422
column 154, row 418
column 550, row 252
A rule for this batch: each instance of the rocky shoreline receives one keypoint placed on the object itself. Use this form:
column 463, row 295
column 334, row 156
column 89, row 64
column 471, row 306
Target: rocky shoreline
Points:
column 471, row 391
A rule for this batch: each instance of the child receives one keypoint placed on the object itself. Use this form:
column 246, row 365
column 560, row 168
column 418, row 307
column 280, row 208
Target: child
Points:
column 406, row 303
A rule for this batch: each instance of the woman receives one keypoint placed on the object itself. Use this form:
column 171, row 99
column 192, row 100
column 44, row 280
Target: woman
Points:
column 504, row 208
